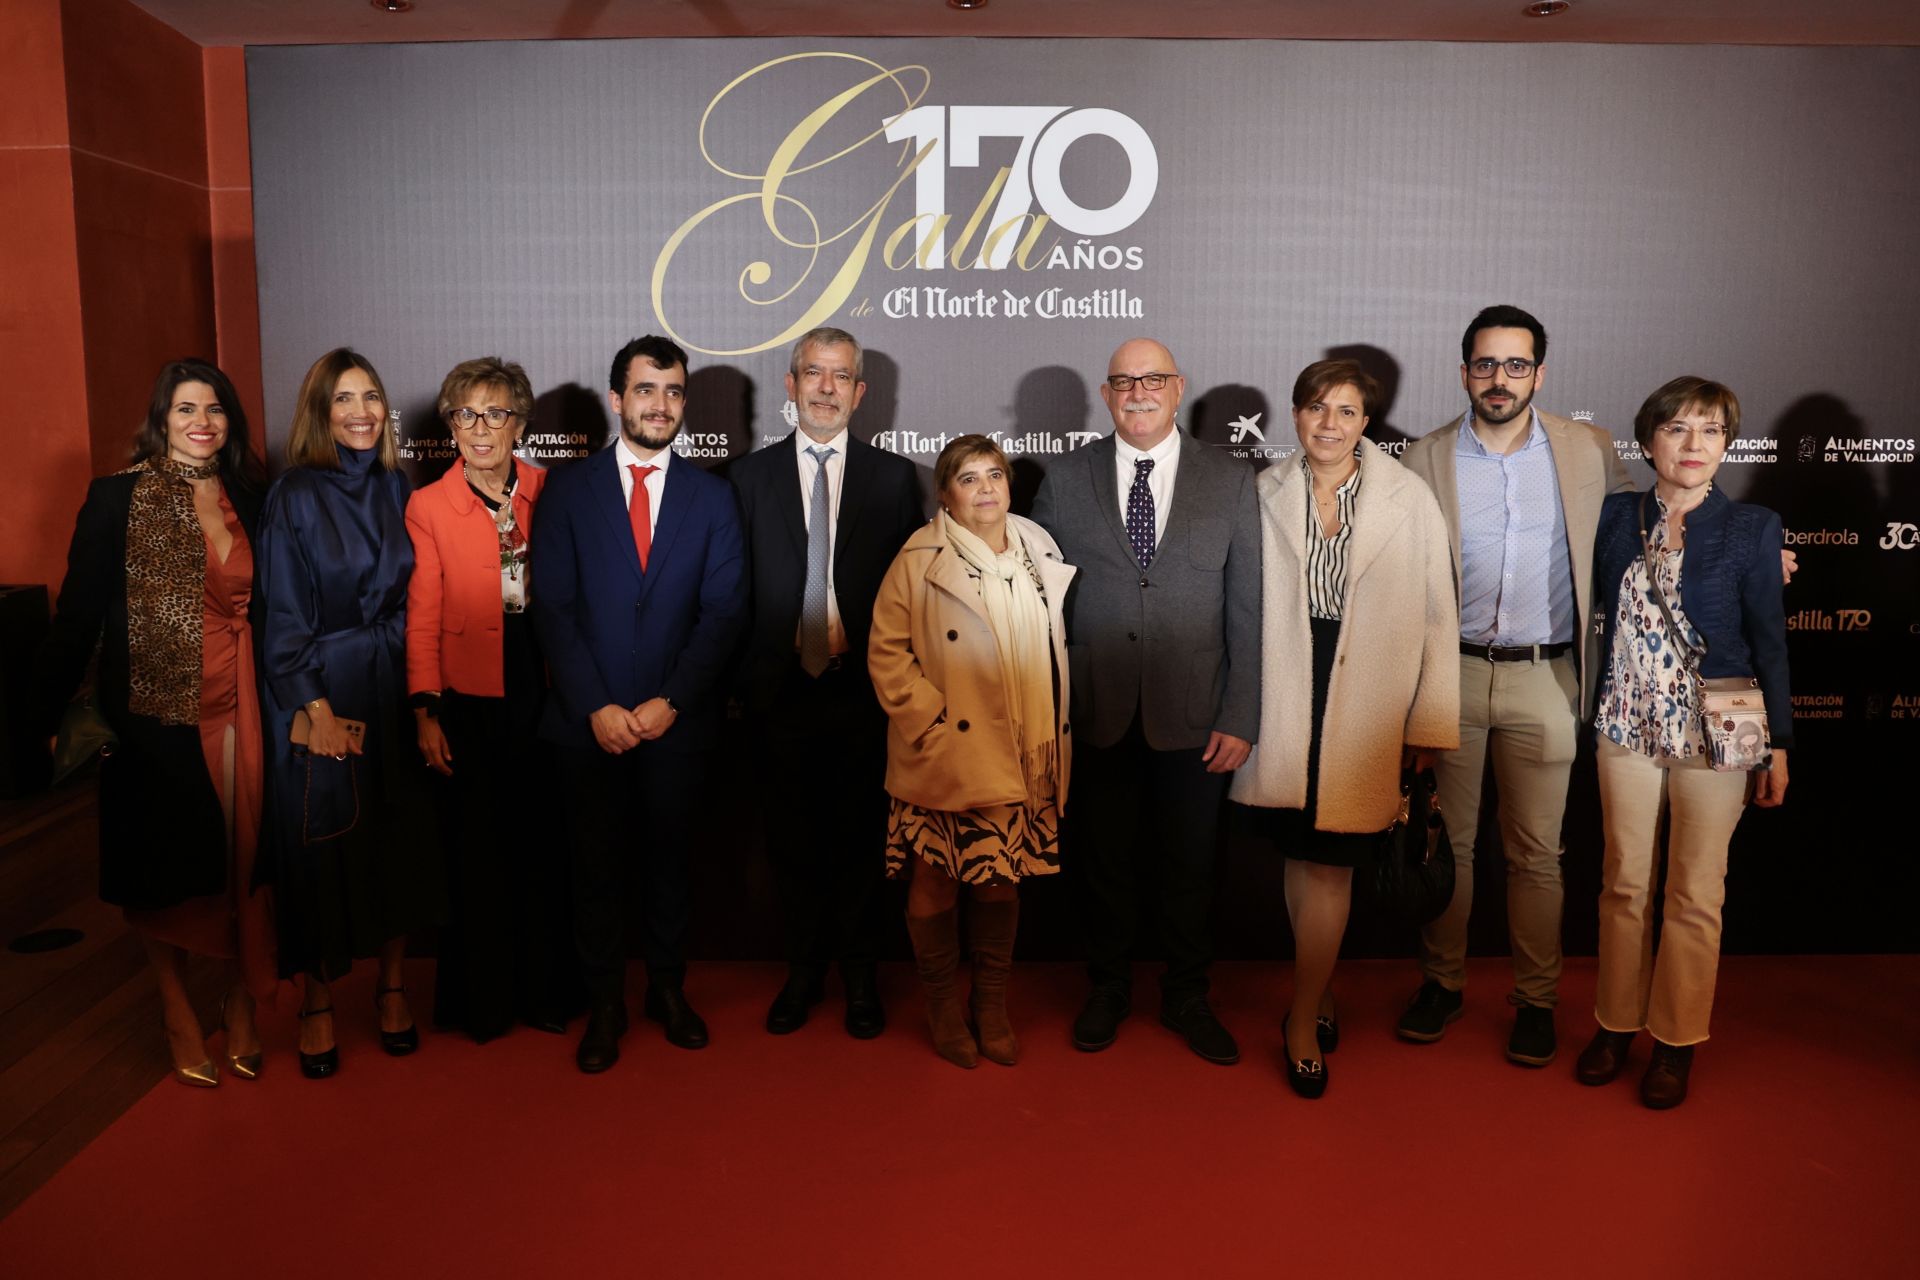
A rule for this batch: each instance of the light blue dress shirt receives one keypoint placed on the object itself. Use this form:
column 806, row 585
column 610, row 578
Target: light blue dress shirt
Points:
column 1516, row 580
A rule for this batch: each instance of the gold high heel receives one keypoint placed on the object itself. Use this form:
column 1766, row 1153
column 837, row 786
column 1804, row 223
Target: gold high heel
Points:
column 245, row 1065
column 204, row 1076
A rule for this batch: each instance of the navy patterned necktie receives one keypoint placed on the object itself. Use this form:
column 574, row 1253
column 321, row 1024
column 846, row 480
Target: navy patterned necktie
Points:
column 1140, row 513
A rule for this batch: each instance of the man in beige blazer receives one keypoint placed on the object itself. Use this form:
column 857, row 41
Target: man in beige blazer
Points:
column 1521, row 493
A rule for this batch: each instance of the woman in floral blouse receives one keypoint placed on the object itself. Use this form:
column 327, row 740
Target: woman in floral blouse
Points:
column 1692, row 598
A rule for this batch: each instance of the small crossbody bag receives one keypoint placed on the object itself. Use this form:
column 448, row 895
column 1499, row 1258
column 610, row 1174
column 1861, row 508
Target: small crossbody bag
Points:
column 1732, row 712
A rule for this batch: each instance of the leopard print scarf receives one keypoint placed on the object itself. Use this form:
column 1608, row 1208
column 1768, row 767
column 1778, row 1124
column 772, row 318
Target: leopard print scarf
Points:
column 166, row 585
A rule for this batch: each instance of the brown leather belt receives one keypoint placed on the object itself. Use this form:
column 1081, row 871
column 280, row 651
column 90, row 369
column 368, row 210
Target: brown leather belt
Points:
column 1515, row 652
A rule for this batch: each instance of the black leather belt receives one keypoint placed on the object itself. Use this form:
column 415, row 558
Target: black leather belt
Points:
column 1515, row 652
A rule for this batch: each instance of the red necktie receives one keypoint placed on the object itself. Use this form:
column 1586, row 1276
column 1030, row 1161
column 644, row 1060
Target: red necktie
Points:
column 640, row 512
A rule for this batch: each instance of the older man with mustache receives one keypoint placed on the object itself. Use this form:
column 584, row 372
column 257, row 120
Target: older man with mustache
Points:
column 1163, row 634
column 825, row 515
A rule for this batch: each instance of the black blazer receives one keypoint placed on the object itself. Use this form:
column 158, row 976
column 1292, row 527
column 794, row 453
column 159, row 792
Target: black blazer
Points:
column 163, row 835
column 879, row 509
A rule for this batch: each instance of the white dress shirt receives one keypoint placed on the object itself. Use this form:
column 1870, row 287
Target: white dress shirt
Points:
column 656, row 483
column 836, row 473
column 1166, row 461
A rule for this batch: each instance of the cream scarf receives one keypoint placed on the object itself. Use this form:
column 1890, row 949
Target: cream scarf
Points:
column 1017, row 612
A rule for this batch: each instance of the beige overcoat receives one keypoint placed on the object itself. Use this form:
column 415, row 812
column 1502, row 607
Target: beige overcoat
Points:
column 1396, row 673
column 936, row 671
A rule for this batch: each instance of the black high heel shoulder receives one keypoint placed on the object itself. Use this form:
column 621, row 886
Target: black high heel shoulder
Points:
column 398, row 1044
column 318, row 1066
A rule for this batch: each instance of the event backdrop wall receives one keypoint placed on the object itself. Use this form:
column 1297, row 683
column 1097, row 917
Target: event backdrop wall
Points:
column 992, row 217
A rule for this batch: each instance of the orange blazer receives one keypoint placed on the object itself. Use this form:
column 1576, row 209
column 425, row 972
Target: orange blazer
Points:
column 453, row 599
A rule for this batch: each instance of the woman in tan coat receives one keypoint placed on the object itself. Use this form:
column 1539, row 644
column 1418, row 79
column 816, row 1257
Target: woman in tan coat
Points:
column 968, row 655
column 1359, row 630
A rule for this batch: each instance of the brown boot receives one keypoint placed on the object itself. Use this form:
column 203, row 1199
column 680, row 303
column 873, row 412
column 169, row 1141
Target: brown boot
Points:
column 936, row 953
column 990, row 930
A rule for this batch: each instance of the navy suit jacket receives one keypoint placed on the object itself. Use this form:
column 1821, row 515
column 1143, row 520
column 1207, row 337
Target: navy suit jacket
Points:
column 1730, row 590
column 613, row 634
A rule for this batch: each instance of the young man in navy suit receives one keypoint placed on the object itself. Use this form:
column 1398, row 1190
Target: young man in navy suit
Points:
column 825, row 516
column 638, row 598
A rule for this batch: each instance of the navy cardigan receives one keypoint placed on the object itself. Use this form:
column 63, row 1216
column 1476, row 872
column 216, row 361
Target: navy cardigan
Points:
column 1730, row 590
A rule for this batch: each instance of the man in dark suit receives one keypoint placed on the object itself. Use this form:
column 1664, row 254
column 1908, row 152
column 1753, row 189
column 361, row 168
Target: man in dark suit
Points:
column 1163, row 629
column 825, row 515
column 638, row 598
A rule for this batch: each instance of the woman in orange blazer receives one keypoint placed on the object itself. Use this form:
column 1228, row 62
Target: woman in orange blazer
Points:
column 476, row 679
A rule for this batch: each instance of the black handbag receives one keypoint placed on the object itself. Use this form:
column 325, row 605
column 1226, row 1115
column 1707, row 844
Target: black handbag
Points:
column 84, row 736
column 1411, row 880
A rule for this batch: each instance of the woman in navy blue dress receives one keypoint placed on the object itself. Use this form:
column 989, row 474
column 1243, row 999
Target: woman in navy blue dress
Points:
column 352, row 868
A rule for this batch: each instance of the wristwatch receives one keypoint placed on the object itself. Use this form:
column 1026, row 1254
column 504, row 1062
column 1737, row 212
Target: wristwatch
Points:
column 426, row 700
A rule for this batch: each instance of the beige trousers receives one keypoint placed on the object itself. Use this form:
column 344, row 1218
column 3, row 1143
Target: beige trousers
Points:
column 1523, row 717
column 1670, row 994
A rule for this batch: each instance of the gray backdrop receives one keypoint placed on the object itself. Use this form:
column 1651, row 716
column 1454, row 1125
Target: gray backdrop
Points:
column 1742, row 213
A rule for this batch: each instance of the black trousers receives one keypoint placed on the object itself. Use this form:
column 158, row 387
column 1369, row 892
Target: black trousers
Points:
column 506, row 950
column 1144, row 828
column 823, row 761
column 629, row 824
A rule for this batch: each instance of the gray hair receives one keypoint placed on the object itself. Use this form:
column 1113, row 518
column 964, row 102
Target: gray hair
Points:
column 826, row 336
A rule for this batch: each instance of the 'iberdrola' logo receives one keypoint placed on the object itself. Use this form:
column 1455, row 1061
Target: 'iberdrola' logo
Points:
column 1017, row 221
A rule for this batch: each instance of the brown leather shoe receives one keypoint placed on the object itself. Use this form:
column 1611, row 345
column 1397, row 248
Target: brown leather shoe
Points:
column 936, row 953
column 1601, row 1061
column 1665, row 1084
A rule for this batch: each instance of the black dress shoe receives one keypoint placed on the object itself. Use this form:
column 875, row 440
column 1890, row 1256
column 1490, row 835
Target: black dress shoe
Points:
column 866, row 1016
column 788, row 1012
column 1533, row 1042
column 668, row 1006
column 1305, row 1077
column 551, row 1021
column 1603, row 1057
column 600, row 1046
column 398, row 1044
column 1099, row 1022
column 318, row 1066
column 1429, row 1012
column 1665, row 1084
column 1326, row 1030
column 1194, row 1019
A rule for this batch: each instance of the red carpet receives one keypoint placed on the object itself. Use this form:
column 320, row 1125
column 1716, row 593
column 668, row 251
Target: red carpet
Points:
column 816, row 1155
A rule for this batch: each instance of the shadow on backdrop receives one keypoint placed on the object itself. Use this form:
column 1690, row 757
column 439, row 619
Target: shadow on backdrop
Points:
column 720, row 414
column 575, row 418
column 1238, row 419
column 1049, row 416
column 880, row 407
column 1385, row 370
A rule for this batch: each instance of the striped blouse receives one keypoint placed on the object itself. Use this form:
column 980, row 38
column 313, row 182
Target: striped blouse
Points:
column 1327, row 557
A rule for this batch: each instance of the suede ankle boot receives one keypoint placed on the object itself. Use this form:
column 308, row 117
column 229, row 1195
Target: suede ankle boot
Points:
column 990, row 930
column 936, row 953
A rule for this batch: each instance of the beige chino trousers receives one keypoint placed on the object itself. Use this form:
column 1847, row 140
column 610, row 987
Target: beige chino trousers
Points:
column 1523, row 717
column 1669, row 994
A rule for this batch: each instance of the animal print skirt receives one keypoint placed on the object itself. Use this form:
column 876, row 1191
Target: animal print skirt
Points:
column 997, row 843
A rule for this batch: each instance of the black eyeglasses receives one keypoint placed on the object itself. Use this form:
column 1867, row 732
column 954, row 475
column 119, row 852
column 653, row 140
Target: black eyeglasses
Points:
column 1123, row 383
column 464, row 418
column 1516, row 367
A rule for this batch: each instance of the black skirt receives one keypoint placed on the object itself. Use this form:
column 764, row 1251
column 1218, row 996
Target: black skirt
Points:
column 1292, row 829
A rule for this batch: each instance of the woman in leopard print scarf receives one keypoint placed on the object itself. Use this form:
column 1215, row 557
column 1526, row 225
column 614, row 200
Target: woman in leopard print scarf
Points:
column 159, row 582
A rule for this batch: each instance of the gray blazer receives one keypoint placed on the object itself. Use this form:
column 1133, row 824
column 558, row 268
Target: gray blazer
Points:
column 1179, row 643
column 1588, row 468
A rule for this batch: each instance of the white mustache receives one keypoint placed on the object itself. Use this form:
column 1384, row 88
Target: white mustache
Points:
column 1139, row 406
